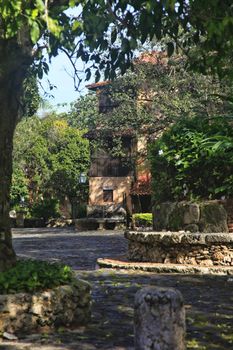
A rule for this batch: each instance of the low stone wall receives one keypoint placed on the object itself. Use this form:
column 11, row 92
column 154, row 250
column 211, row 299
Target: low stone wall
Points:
column 181, row 248
column 207, row 217
column 61, row 306
column 99, row 224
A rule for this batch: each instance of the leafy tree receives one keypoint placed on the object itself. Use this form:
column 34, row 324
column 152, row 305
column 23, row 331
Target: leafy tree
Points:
column 49, row 157
column 193, row 160
column 19, row 188
column 144, row 102
column 31, row 99
column 84, row 112
column 31, row 157
column 105, row 33
column 69, row 157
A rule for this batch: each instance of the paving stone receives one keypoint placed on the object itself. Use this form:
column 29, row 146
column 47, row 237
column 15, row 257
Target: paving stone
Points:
column 208, row 299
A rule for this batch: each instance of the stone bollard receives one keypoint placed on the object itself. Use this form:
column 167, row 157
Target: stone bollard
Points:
column 20, row 219
column 159, row 319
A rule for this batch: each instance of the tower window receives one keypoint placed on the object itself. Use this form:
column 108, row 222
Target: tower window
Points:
column 108, row 196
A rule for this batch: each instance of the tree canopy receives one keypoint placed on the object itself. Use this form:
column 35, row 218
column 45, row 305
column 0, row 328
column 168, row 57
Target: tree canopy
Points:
column 193, row 160
column 146, row 101
column 106, row 33
column 48, row 160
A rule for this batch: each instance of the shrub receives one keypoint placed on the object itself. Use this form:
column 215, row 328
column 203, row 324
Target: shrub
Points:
column 143, row 219
column 34, row 275
column 193, row 160
column 46, row 209
column 19, row 189
column 82, row 211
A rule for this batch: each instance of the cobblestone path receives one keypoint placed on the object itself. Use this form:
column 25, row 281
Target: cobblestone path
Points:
column 208, row 299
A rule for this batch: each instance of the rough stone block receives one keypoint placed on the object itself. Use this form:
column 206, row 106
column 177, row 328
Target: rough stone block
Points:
column 61, row 306
column 213, row 217
column 161, row 215
column 159, row 319
column 207, row 217
column 191, row 213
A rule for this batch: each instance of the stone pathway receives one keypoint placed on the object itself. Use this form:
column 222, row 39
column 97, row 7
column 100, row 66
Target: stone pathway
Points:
column 208, row 299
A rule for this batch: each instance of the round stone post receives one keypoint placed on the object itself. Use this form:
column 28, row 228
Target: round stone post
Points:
column 159, row 319
column 20, row 219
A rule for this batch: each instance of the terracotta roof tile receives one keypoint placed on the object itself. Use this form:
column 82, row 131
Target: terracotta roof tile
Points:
column 153, row 57
column 141, row 188
column 100, row 84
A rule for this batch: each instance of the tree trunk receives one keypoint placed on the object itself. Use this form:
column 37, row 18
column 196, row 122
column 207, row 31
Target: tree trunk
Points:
column 7, row 126
column 13, row 67
column 74, row 207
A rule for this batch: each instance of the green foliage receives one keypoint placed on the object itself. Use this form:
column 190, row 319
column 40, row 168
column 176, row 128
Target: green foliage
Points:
column 193, row 159
column 31, row 97
column 47, row 208
column 69, row 158
column 82, row 211
column 84, row 112
column 33, row 275
column 143, row 219
column 49, row 157
column 19, row 187
column 145, row 102
column 30, row 158
column 203, row 31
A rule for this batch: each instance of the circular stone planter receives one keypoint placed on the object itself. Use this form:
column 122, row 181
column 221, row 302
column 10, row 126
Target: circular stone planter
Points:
column 203, row 249
column 60, row 306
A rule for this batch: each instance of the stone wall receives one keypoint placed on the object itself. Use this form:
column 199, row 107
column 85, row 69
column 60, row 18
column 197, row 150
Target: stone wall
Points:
column 106, row 211
column 207, row 217
column 61, row 306
column 181, row 248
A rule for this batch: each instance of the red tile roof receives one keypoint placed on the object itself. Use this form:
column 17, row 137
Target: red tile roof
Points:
column 153, row 57
column 141, row 188
column 100, row 84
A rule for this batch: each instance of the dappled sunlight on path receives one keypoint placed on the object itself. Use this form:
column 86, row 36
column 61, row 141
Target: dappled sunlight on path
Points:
column 208, row 299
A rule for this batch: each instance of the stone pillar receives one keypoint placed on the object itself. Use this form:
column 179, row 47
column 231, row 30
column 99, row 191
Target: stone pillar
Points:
column 159, row 319
column 101, row 226
column 20, row 219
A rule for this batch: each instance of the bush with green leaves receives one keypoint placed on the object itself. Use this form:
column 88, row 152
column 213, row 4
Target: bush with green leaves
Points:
column 33, row 275
column 143, row 219
column 48, row 160
column 82, row 211
column 193, row 160
column 19, row 188
column 46, row 209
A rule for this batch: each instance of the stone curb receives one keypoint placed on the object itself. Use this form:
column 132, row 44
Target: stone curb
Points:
column 165, row 268
column 179, row 237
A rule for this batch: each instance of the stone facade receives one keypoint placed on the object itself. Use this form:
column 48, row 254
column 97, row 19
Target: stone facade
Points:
column 181, row 248
column 61, row 306
column 120, row 186
column 207, row 217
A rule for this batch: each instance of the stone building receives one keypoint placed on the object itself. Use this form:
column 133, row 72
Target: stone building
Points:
column 113, row 184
